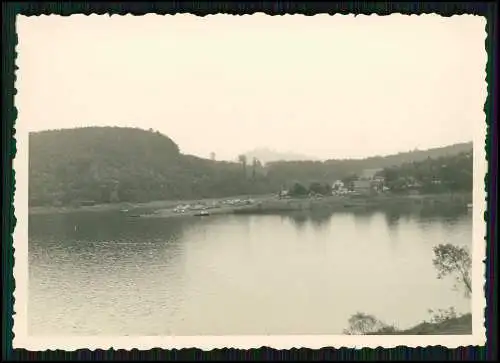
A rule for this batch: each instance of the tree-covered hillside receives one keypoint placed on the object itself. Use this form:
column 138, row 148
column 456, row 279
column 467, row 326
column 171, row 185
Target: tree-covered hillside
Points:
column 111, row 164
column 446, row 173
column 317, row 171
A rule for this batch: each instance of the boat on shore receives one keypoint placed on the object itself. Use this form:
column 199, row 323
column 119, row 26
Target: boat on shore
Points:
column 202, row 213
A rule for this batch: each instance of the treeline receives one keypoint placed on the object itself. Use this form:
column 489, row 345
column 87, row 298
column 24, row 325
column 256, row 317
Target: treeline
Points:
column 451, row 173
column 112, row 164
column 444, row 174
column 308, row 172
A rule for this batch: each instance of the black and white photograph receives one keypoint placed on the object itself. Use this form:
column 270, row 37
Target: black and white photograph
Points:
column 250, row 180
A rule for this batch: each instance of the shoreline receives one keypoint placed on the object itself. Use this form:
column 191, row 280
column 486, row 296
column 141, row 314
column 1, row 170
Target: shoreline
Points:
column 269, row 204
column 135, row 206
column 461, row 325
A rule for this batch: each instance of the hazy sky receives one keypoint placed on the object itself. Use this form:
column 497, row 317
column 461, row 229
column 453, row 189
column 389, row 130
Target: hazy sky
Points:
column 326, row 86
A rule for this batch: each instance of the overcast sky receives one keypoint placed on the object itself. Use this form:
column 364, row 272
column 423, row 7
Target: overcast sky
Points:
column 326, row 86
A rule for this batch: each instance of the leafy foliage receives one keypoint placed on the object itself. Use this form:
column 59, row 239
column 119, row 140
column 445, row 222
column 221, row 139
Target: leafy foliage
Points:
column 320, row 188
column 442, row 321
column 361, row 324
column 298, row 190
column 454, row 260
column 449, row 173
column 442, row 315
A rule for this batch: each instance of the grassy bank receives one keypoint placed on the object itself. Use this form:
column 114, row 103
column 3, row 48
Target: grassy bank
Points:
column 337, row 203
column 270, row 204
column 135, row 207
column 455, row 326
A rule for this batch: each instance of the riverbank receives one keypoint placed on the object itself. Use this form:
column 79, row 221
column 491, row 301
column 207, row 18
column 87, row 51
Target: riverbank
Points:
column 135, row 207
column 270, row 204
column 274, row 205
column 335, row 203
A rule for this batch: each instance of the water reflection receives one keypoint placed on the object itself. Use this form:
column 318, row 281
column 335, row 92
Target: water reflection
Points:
column 363, row 218
column 101, row 226
column 101, row 238
column 421, row 214
column 116, row 275
column 425, row 213
column 320, row 218
column 317, row 218
column 299, row 220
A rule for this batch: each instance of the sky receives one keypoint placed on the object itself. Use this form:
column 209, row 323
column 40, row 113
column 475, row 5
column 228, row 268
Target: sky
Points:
column 327, row 86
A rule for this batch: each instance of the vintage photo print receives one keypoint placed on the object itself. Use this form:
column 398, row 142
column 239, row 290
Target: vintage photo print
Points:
column 247, row 181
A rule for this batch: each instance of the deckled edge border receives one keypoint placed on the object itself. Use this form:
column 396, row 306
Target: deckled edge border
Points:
column 87, row 10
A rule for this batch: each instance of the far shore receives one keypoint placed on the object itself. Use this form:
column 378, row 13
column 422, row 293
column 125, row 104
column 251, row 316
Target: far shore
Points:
column 269, row 204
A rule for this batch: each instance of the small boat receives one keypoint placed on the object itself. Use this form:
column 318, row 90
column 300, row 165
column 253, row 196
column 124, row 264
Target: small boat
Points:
column 202, row 213
column 469, row 206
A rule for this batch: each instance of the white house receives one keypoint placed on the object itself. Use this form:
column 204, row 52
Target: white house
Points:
column 338, row 185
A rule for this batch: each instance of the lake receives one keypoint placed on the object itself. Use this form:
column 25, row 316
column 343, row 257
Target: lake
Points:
column 108, row 274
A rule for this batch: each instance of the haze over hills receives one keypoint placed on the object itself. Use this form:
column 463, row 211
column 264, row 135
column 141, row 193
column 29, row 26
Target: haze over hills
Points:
column 109, row 164
column 411, row 156
column 267, row 155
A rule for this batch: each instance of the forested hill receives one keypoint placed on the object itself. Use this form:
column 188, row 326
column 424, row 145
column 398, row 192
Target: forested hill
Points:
column 417, row 155
column 111, row 164
column 308, row 171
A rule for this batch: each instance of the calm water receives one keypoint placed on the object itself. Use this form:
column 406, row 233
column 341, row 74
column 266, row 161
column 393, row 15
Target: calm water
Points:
column 224, row 275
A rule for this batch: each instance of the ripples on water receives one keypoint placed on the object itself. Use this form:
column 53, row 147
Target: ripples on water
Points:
column 101, row 273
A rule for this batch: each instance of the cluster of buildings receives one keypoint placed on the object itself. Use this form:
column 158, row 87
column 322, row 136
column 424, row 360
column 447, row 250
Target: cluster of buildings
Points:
column 339, row 188
column 369, row 182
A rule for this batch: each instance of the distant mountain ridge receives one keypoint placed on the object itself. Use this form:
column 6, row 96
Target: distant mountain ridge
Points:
column 412, row 156
column 267, row 155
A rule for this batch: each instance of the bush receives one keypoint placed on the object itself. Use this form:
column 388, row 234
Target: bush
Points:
column 298, row 190
column 361, row 324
